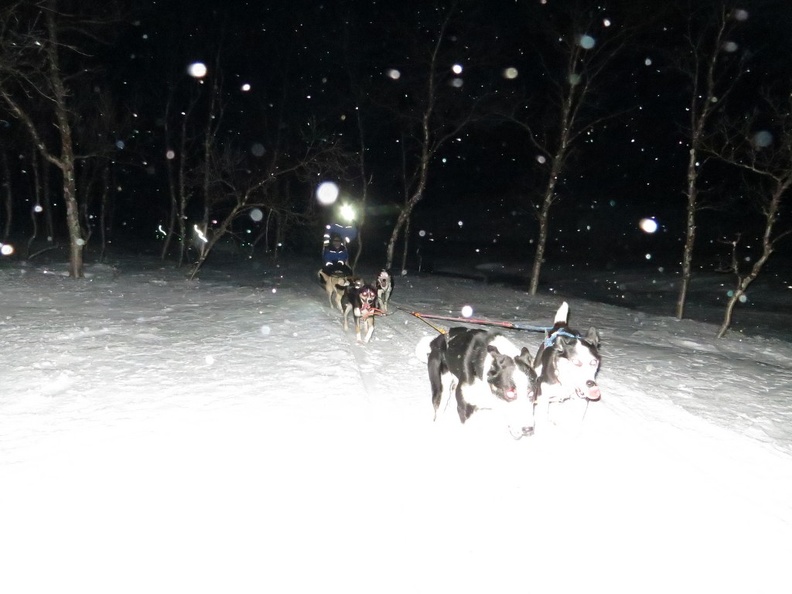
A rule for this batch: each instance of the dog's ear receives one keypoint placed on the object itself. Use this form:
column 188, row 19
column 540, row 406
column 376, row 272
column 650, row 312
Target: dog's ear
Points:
column 499, row 362
column 560, row 343
column 525, row 360
column 498, row 359
column 525, row 357
column 592, row 337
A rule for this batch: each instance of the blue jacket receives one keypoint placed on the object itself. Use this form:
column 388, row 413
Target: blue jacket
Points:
column 347, row 232
column 331, row 255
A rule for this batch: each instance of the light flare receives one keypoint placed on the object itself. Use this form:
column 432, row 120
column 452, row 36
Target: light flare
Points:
column 763, row 139
column 648, row 225
column 197, row 70
column 200, row 234
column 347, row 212
column 327, row 193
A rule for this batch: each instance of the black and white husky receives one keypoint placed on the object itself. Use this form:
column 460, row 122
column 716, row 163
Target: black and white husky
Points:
column 486, row 371
column 384, row 289
column 566, row 365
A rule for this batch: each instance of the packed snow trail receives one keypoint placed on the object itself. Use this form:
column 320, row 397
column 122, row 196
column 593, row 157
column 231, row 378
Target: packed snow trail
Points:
column 225, row 435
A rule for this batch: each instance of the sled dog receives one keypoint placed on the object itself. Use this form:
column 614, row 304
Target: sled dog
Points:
column 566, row 365
column 361, row 302
column 384, row 289
column 486, row 371
column 335, row 284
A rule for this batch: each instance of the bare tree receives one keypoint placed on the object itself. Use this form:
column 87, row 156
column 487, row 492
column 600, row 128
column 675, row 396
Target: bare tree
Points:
column 102, row 126
column 43, row 203
column 712, row 66
column 584, row 47
column 235, row 186
column 181, row 162
column 43, row 52
column 353, row 67
column 192, row 120
column 760, row 145
column 432, row 114
column 176, row 158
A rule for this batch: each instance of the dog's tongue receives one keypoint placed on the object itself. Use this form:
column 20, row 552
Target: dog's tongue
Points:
column 594, row 392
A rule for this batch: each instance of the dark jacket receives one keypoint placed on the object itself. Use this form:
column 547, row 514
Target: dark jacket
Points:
column 331, row 255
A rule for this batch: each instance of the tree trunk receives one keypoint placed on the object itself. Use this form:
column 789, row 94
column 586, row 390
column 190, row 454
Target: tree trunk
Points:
column 544, row 213
column 406, row 245
column 103, row 214
column 690, row 235
column 8, row 193
column 207, row 246
column 400, row 221
column 76, row 242
column 184, row 198
column 406, row 212
column 541, row 243
column 46, row 202
column 66, row 160
column 768, row 246
column 727, row 317
column 37, row 208
column 566, row 122
column 703, row 102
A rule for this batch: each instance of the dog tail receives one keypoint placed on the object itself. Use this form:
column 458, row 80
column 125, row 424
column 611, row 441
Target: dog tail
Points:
column 423, row 348
column 562, row 314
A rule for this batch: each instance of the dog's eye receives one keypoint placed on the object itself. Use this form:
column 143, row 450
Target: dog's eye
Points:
column 594, row 363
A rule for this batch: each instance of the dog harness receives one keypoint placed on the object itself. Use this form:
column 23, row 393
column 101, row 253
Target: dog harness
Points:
column 549, row 341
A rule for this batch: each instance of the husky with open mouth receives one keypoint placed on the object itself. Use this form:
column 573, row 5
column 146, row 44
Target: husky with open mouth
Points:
column 486, row 371
column 384, row 286
column 566, row 364
column 361, row 302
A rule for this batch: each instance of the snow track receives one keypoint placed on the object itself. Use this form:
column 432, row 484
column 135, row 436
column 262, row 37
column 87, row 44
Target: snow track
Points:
column 226, row 435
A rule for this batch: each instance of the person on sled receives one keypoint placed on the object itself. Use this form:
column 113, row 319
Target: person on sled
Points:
column 335, row 253
column 335, row 256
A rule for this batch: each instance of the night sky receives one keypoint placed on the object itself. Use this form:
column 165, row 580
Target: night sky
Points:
column 291, row 68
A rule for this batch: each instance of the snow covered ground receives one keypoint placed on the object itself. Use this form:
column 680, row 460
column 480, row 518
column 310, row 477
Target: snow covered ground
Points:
column 224, row 435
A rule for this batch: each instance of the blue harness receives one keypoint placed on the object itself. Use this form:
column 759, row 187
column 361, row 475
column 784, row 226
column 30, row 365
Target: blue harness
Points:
column 551, row 338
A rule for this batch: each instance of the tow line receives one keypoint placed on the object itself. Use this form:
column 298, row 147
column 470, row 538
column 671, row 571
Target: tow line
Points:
column 425, row 317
